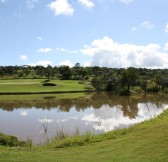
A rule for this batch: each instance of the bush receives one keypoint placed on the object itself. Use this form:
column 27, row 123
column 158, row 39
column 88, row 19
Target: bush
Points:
column 49, row 84
column 6, row 140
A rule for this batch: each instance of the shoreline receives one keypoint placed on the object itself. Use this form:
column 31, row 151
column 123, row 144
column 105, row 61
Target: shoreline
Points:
column 53, row 92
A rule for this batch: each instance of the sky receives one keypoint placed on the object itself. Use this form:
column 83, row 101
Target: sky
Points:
column 105, row 33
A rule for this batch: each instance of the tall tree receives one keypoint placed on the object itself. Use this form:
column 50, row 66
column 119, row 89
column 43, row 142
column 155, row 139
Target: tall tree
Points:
column 129, row 78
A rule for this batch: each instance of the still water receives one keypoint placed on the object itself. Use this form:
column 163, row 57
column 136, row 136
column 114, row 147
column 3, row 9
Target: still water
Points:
column 42, row 120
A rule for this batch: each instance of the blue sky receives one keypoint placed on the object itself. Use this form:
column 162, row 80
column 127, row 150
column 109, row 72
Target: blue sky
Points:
column 112, row 33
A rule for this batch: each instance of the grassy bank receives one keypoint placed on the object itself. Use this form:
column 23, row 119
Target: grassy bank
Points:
column 145, row 142
column 32, row 86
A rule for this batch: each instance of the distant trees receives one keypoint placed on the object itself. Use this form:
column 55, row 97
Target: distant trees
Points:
column 65, row 72
column 120, row 81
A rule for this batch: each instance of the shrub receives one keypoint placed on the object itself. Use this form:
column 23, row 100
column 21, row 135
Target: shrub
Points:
column 49, row 84
column 6, row 140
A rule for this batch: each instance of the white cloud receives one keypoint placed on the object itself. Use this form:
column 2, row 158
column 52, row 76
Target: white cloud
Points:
column 61, row 7
column 67, row 50
column 166, row 46
column 133, row 29
column 66, row 63
column 31, row 3
column 44, row 63
column 87, row 3
column 87, row 63
column 166, row 28
column 23, row 57
column 61, row 49
column 3, row 1
column 40, row 38
column 106, row 52
column 45, row 50
column 127, row 1
column 147, row 24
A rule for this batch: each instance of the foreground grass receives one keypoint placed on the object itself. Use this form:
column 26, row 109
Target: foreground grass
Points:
column 36, row 86
column 145, row 142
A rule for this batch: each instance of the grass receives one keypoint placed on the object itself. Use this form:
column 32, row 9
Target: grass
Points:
column 36, row 86
column 145, row 142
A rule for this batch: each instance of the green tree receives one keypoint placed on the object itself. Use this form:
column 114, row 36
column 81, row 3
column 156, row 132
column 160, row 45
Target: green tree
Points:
column 129, row 78
column 65, row 72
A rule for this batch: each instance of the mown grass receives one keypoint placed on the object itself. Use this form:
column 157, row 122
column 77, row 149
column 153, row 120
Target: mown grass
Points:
column 145, row 142
column 36, row 86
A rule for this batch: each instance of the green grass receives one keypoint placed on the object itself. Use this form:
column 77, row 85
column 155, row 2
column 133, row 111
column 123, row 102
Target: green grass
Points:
column 145, row 142
column 36, row 86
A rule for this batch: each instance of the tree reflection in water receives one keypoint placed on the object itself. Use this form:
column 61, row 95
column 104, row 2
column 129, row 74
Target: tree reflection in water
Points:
column 98, row 112
column 129, row 105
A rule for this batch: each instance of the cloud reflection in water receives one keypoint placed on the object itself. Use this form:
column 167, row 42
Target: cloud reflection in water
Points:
column 106, row 119
column 23, row 113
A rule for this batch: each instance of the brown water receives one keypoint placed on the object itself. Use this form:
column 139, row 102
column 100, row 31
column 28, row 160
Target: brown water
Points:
column 101, row 112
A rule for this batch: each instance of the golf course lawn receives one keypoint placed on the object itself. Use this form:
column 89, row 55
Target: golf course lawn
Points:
column 145, row 142
column 36, row 86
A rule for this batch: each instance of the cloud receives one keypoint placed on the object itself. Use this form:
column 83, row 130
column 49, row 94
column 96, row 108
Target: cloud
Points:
column 31, row 3
column 3, row 1
column 40, row 38
column 106, row 52
column 87, row 3
column 41, row 63
column 66, row 63
column 166, row 46
column 166, row 28
column 127, row 1
column 61, row 49
column 133, row 29
column 23, row 58
column 147, row 24
column 45, row 50
column 67, row 50
column 61, row 7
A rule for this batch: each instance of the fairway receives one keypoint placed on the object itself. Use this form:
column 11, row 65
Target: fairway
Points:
column 36, row 86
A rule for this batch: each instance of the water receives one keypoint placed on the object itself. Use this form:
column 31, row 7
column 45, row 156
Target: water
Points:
column 98, row 113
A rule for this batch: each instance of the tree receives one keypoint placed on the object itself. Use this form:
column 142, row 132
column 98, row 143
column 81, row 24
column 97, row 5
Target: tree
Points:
column 65, row 72
column 39, row 71
column 49, row 72
column 99, row 83
column 159, row 80
column 129, row 78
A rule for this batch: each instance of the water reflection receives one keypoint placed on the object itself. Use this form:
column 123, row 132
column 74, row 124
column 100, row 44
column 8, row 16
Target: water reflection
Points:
column 101, row 112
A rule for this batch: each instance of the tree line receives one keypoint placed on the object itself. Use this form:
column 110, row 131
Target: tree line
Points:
column 117, row 80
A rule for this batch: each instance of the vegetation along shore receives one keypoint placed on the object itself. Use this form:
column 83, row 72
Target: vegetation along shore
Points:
column 39, row 79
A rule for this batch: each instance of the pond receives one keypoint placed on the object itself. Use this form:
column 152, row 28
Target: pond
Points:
column 41, row 120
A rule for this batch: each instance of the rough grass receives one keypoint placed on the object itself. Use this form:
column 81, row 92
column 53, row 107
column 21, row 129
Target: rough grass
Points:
column 145, row 142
